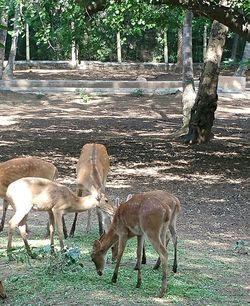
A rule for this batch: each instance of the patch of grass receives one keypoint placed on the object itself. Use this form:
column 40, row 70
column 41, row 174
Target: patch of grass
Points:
column 70, row 278
column 137, row 92
column 84, row 96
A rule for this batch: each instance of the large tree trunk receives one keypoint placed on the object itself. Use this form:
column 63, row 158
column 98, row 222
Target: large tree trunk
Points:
column 244, row 63
column 3, row 35
column 202, row 115
column 178, row 66
column 235, row 47
column 188, row 97
column 8, row 71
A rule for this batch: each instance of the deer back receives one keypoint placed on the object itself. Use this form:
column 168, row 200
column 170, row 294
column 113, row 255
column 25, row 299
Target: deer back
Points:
column 38, row 193
column 145, row 211
column 17, row 168
column 93, row 167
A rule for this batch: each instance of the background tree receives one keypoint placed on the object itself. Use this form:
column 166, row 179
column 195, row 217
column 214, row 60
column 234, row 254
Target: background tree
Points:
column 245, row 61
column 3, row 35
column 202, row 115
column 8, row 71
column 235, row 16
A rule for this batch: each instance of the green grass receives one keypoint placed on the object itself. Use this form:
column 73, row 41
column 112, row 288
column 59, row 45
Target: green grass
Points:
column 204, row 278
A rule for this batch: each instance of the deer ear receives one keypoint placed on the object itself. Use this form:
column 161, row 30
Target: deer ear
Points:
column 129, row 196
column 117, row 201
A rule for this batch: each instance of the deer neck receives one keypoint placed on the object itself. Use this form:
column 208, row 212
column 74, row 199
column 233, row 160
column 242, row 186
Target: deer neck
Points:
column 108, row 239
column 85, row 203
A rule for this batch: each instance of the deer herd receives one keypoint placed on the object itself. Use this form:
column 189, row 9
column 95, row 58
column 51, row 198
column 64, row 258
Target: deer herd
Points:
column 29, row 183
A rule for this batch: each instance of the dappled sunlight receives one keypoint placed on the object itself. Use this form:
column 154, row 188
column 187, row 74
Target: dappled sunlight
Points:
column 9, row 120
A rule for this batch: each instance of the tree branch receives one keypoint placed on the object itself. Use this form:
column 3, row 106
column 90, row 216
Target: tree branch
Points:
column 233, row 19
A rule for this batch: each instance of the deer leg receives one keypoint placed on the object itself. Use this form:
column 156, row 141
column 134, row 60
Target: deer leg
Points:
column 100, row 221
column 144, row 259
column 14, row 222
column 73, row 227
column 121, row 246
column 160, row 248
column 2, row 291
column 114, row 250
column 51, row 231
column 174, row 239
column 140, row 244
column 5, row 207
column 88, row 228
column 58, row 221
column 23, row 232
column 65, row 232
column 158, row 262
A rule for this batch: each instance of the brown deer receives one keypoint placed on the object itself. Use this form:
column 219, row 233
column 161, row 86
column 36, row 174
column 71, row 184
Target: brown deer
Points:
column 44, row 195
column 150, row 214
column 17, row 168
column 92, row 170
column 2, row 291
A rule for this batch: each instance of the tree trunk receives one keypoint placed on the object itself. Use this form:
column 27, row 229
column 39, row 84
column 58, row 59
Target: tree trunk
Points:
column 8, row 71
column 235, row 47
column 204, row 42
column 244, row 63
column 3, row 35
column 27, row 41
column 202, row 115
column 165, row 39
column 119, row 48
column 178, row 67
column 188, row 97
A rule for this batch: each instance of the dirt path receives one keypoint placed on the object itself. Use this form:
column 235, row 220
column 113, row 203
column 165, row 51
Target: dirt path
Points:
column 211, row 180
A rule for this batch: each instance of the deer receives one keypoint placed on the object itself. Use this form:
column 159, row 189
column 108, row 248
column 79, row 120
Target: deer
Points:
column 41, row 194
column 16, row 168
column 151, row 214
column 92, row 169
column 3, row 295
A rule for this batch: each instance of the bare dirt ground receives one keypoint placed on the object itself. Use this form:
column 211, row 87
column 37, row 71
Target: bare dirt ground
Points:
column 211, row 180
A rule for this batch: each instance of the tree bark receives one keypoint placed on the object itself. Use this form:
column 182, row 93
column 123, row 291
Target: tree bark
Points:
column 202, row 114
column 3, row 35
column 165, row 51
column 235, row 47
column 8, row 71
column 27, row 40
column 244, row 63
column 179, row 63
column 204, row 42
column 188, row 96
column 119, row 47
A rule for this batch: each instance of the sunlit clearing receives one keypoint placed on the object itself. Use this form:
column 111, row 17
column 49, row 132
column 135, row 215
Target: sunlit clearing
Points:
column 8, row 120
column 67, row 181
column 245, row 110
column 117, row 184
column 225, row 259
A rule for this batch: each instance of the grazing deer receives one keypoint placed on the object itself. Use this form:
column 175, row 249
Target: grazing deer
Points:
column 150, row 214
column 2, row 291
column 115, row 246
column 44, row 195
column 92, row 170
column 17, row 168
